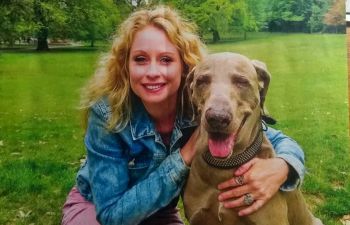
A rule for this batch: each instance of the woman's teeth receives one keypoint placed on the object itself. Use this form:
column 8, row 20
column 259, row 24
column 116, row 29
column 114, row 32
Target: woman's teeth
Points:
column 153, row 87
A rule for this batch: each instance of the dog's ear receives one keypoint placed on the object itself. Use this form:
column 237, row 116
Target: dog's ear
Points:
column 189, row 82
column 188, row 90
column 264, row 77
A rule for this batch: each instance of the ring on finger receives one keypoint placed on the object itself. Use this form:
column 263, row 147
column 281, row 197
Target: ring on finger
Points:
column 239, row 180
column 248, row 199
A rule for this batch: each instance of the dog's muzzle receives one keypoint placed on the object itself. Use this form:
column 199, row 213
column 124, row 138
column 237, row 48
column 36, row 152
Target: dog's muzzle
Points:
column 218, row 119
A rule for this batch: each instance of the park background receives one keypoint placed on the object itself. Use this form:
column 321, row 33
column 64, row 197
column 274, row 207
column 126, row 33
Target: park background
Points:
column 49, row 48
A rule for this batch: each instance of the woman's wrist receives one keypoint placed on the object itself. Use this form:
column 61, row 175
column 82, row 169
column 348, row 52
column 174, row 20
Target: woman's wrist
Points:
column 188, row 150
column 284, row 168
column 186, row 156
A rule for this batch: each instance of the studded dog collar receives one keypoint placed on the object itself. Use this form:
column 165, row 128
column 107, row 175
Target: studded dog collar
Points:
column 235, row 160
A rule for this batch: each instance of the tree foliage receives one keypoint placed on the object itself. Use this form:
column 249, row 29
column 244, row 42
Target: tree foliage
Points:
column 87, row 20
column 91, row 20
column 15, row 22
column 315, row 22
column 50, row 17
column 286, row 15
column 214, row 16
column 335, row 16
column 247, row 16
column 217, row 16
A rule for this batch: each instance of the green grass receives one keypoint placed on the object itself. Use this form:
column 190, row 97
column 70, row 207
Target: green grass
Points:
column 41, row 137
column 40, row 131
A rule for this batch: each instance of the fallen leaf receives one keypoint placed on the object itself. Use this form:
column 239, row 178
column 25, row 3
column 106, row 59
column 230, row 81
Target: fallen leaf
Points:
column 345, row 220
column 15, row 153
column 42, row 142
column 23, row 214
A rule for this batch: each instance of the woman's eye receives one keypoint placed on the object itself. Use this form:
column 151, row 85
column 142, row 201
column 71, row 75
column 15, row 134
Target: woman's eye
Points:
column 166, row 60
column 140, row 59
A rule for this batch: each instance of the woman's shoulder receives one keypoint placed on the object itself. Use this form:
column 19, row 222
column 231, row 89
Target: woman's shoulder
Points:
column 102, row 108
column 101, row 111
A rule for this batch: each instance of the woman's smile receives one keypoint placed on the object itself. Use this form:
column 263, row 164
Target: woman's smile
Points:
column 154, row 87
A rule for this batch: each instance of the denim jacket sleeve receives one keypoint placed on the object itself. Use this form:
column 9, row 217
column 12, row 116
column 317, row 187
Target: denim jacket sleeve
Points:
column 287, row 149
column 116, row 202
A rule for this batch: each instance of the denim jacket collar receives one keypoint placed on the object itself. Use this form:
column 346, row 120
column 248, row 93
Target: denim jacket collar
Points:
column 142, row 125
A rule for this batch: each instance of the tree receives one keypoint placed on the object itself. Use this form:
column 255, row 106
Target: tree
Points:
column 15, row 23
column 315, row 21
column 286, row 15
column 246, row 16
column 297, row 15
column 336, row 15
column 124, row 7
column 92, row 20
column 43, row 19
column 211, row 16
column 316, row 14
column 50, row 18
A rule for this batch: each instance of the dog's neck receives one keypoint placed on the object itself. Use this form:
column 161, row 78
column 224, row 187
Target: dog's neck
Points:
column 246, row 136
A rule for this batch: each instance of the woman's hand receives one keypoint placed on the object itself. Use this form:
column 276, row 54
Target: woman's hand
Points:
column 257, row 181
column 188, row 150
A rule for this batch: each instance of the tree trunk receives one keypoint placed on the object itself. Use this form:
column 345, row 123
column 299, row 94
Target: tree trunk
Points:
column 11, row 42
column 43, row 32
column 42, row 39
column 216, row 36
column 245, row 35
column 92, row 43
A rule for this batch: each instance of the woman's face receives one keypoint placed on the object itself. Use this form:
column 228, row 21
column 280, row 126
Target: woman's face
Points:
column 155, row 68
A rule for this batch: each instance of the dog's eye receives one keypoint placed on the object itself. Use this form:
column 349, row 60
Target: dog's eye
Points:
column 203, row 80
column 240, row 82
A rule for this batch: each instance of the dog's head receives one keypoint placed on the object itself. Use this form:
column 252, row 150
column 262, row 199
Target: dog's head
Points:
column 228, row 91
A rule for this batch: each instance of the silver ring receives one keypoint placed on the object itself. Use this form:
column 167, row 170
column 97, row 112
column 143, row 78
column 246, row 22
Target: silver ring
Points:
column 248, row 199
column 239, row 180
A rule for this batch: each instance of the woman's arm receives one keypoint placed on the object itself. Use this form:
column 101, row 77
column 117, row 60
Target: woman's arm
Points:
column 116, row 202
column 287, row 149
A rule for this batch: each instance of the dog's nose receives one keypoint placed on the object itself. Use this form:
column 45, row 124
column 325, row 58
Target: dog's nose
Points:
column 218, row 119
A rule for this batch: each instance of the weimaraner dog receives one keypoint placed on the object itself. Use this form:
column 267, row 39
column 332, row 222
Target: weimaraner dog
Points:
column 228, row 91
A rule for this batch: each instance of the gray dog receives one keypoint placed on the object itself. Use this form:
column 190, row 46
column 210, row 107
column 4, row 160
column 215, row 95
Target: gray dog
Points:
column 228, row 91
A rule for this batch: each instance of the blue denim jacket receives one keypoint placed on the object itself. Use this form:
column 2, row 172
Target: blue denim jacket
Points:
column 130, row 174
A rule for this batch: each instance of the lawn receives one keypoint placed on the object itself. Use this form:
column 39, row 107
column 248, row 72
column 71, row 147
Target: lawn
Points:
column 41, row 136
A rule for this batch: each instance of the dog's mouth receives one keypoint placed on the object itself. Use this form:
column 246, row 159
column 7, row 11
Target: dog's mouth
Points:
column 221, row 144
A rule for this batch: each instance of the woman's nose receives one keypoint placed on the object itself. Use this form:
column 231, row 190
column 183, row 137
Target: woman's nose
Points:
column 153, row 70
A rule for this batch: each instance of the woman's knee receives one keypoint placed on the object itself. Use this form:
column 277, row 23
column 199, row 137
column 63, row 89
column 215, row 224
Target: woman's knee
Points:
column 78, row 211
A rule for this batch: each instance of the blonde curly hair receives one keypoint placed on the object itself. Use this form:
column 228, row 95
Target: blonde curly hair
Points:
column 111, row 79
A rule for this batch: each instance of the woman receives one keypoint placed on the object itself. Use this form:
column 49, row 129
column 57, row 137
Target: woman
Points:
column 140, row 134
